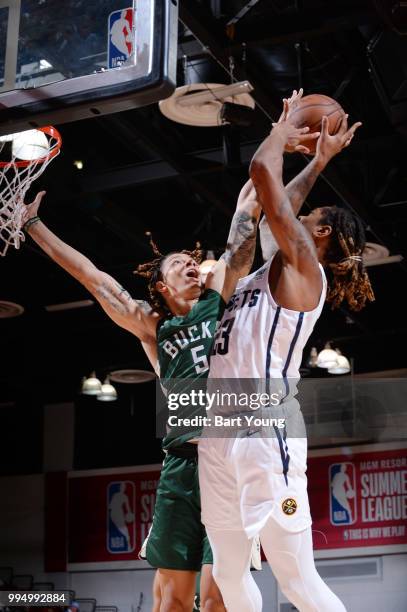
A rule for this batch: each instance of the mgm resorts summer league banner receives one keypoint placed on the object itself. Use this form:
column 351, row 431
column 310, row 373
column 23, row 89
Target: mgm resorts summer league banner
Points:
column 358, row 498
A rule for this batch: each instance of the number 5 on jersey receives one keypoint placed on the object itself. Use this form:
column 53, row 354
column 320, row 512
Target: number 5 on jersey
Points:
column 200, row 361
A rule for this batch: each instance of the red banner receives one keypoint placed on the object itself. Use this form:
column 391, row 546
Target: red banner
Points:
column 358, row 498
column 109, row 514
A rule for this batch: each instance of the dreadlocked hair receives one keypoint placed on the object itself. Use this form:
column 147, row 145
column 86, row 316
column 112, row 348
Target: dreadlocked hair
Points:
column 348, row 277
column 151, row 270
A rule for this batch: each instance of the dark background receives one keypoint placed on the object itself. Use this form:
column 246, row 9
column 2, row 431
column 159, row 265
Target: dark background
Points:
column 143, row 172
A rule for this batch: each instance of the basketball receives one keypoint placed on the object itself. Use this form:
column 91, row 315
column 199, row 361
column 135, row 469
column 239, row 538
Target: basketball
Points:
column 309, row 112
column 30, row 145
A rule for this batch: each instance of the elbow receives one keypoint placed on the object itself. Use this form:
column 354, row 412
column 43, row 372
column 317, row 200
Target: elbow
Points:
column 257, row 170
column 261, row 172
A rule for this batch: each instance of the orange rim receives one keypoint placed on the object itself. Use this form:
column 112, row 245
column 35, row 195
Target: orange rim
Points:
column 49, row 130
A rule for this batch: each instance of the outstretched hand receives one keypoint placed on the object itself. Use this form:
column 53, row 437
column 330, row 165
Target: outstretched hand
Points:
column 330, row 145
column 290, row 104
column 294, row 136
column 31, row 210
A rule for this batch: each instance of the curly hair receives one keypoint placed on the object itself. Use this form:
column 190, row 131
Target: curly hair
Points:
column 348, row 277
column 152, row 271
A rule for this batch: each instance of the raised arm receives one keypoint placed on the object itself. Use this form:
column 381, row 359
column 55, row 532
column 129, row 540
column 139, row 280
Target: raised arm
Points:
column 134, row 315
column 300, row 186
column 237, row 259
column 266, row 171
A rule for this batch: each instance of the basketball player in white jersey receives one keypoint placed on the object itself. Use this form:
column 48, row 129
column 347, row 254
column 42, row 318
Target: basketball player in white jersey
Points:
column 255, row 483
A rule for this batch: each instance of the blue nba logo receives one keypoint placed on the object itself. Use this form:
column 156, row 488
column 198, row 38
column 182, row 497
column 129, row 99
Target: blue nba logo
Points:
column 120, row 37
column 342, row 482
column 121, row 524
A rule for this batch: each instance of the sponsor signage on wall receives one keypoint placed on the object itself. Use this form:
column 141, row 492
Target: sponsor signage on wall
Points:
column 109, row 515
column 358, row 498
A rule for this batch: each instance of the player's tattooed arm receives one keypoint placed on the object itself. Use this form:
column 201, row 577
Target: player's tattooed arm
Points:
column 134, row 315
column 116, row 297
column 241, row 243
column 299, row 188
column 238, row 258
column 128, row 312
column 297, row 191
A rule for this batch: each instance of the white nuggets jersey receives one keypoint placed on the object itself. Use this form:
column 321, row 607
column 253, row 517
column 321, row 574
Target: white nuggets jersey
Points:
column 248, row 475
column 256, row 337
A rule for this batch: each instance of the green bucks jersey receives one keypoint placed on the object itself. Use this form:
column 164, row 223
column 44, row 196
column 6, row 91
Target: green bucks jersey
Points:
column 185, row 343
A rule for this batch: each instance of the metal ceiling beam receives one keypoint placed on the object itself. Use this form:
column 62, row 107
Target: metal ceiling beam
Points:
column 208, row 31
column 243, row 12
column 137, row 174
column 300, row 26
column 153, row 133
column 213, row 37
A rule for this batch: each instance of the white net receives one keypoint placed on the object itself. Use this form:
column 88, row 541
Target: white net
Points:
column 24, row 156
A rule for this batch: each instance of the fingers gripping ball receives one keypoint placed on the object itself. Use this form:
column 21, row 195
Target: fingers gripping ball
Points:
column 309, row 112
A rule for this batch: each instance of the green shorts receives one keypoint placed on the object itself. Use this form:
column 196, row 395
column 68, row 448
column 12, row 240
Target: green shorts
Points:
column 177, row 539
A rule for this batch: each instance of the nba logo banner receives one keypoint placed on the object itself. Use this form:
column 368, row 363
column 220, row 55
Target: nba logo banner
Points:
column 342, row 484
column 120, row 42
column 121, row 513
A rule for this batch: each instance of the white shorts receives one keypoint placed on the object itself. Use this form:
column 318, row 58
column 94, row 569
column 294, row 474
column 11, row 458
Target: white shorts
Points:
column 244, row 481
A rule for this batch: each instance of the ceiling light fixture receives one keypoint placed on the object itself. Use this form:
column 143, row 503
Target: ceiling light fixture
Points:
column 91, row 385
column 221, row 92
column 342, row 365
column 131, row 377
column 327, row 358
column 313, row 358
column 69, row 305
column 377, row 255
column 200, row 104
column 107, row 393
column 10, row 309
column 207, row 265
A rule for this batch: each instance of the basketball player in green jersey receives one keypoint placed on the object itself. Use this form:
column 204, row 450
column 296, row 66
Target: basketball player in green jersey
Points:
column 178, row 326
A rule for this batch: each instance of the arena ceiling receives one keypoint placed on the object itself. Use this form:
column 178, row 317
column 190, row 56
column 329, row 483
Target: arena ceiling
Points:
column 142, row 172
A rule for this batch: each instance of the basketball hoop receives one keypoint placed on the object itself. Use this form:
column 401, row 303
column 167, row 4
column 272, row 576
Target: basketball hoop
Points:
column 30, row 153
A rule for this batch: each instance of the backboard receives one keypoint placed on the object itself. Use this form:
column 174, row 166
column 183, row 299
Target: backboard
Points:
column 64, row 61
